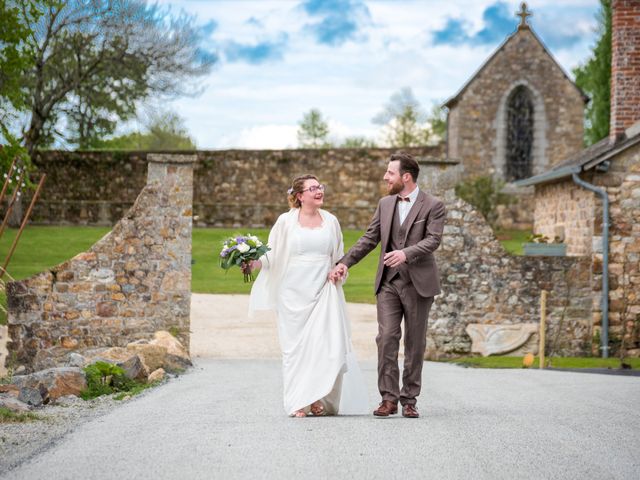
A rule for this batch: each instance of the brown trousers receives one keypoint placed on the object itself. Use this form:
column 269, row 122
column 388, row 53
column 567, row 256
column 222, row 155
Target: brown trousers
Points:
column 397, row 298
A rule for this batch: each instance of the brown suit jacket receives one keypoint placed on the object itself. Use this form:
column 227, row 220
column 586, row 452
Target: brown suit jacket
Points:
column 422, row 235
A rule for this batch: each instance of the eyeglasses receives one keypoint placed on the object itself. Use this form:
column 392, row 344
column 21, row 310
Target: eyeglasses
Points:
column 315, row 188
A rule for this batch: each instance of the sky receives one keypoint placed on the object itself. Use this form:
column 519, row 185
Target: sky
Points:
column 276, row 60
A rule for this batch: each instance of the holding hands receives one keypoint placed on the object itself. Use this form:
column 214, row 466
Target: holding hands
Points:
column 339, row 272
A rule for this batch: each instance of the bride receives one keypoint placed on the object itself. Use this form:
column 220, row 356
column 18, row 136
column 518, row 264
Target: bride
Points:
column 320, row 372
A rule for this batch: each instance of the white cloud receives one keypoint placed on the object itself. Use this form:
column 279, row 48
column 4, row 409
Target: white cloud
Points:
column 259, row 106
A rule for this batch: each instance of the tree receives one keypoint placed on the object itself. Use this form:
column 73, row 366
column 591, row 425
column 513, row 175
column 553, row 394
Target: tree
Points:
column 437, row 121
column 594, row 78
column 165, row 131
column 406, row 124
column 93, row 60
column 313, row 130
column 358, row 142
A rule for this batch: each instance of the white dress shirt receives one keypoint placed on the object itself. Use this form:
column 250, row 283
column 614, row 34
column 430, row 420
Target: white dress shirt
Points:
column 404, row 207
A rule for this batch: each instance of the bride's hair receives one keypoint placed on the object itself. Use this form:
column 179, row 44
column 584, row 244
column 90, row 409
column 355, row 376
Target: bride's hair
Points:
column 296, row 187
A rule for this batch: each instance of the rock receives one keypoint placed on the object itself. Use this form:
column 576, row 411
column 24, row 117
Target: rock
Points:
column 134, row 368
column 53, row 383
column 20, row 370
column 10, row 390
column 115, row 354
column 76, row 360
column 31, row 396
column 499, row 339
column 177, row 358
column 13, row 404
column 69, row 342
column 156, row 375
column 175, row 364
column 153, row 356
column 634, row 352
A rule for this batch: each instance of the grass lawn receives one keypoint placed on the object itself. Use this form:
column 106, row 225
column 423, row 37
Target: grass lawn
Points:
column 43, row 247
column 556, row 362
column 512, row 240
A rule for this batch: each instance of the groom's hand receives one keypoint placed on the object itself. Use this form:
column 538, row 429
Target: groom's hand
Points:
column 395, row 258
column 338, row 272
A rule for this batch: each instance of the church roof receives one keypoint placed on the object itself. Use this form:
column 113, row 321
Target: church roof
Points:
column 453, row 100
column 597, row 154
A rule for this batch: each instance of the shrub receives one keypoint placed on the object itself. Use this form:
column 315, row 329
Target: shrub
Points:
column 484, row 194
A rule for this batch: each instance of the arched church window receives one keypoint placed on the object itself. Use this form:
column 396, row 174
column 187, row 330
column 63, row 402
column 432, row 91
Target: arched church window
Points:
column 519, row 134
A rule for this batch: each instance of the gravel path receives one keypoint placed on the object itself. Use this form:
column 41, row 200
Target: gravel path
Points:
column 224, row 419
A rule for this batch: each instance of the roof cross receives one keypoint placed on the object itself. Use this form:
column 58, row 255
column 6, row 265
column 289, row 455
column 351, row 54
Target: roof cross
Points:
column 523, row 14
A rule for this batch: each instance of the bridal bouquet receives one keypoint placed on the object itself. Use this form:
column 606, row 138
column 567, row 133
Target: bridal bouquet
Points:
column 240, row 251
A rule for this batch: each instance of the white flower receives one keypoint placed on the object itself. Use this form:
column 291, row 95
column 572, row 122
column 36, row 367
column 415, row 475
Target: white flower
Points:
column 243, row 247
column 258, row 243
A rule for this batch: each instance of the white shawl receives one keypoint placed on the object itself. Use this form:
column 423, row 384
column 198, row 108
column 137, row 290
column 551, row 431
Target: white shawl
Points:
column 265, row 290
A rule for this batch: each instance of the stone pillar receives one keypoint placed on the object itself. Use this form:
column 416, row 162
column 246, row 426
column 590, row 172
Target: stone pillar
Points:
column 134, row 281
column 625, row 66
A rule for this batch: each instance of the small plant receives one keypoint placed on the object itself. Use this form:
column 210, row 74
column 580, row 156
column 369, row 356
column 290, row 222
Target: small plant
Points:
column 7, row 416
column 174, row 331
column 105, row 378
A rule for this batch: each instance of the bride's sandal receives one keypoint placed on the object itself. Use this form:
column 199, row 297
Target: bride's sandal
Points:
column 298, row 414
column 318, row 409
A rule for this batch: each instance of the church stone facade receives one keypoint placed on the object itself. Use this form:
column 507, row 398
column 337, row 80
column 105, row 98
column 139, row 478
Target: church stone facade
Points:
column 517, row 116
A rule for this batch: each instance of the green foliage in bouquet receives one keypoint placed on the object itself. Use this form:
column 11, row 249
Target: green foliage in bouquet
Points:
column 240, row 250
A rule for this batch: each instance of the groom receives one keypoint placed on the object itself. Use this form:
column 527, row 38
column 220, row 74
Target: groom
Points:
column 408, row 223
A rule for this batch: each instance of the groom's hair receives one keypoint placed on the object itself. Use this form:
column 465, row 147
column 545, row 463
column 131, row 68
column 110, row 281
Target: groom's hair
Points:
column 407, row 164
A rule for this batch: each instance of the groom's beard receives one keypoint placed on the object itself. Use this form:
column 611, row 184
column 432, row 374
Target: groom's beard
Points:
column 395, row 188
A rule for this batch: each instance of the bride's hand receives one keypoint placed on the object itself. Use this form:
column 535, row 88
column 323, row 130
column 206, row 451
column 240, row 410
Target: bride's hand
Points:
column 247, row 268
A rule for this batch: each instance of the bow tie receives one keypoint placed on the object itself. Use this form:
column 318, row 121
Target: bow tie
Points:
column 403, row 199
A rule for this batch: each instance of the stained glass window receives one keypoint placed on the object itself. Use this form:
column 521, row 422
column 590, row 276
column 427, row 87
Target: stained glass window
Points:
column 519, row 134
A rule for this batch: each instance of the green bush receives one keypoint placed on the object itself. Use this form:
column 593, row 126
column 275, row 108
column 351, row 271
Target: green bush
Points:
column 484, row 194
column 105, row 378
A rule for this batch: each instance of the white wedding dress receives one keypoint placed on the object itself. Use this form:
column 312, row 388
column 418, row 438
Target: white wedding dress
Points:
column 318, row 362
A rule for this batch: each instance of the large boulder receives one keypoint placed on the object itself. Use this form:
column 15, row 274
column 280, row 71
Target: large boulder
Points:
column 53, row 383
column 13, row 404
column 177, row 358
column 134, row 368
column 153, row 356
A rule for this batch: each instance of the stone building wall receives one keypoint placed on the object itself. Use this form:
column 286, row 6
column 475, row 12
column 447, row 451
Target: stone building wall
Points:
column 482, row 283
column 622, row 183
column 566, row 210
column 477, row 119
column 134, row 281
column 564, row 205
column 232, row 188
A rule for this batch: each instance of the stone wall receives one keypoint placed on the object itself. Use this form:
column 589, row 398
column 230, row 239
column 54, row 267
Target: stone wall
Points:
column 566, row 210
column 482, row 283
column 134, row 281
column 232, row 188
column 565, row 206
column 622, row 183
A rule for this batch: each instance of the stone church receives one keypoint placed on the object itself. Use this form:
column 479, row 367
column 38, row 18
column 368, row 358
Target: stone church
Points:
column 518, row 115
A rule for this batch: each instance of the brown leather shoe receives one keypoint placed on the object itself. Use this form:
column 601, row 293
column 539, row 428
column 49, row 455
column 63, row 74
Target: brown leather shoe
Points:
column 386, row 408
column 410, row 411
